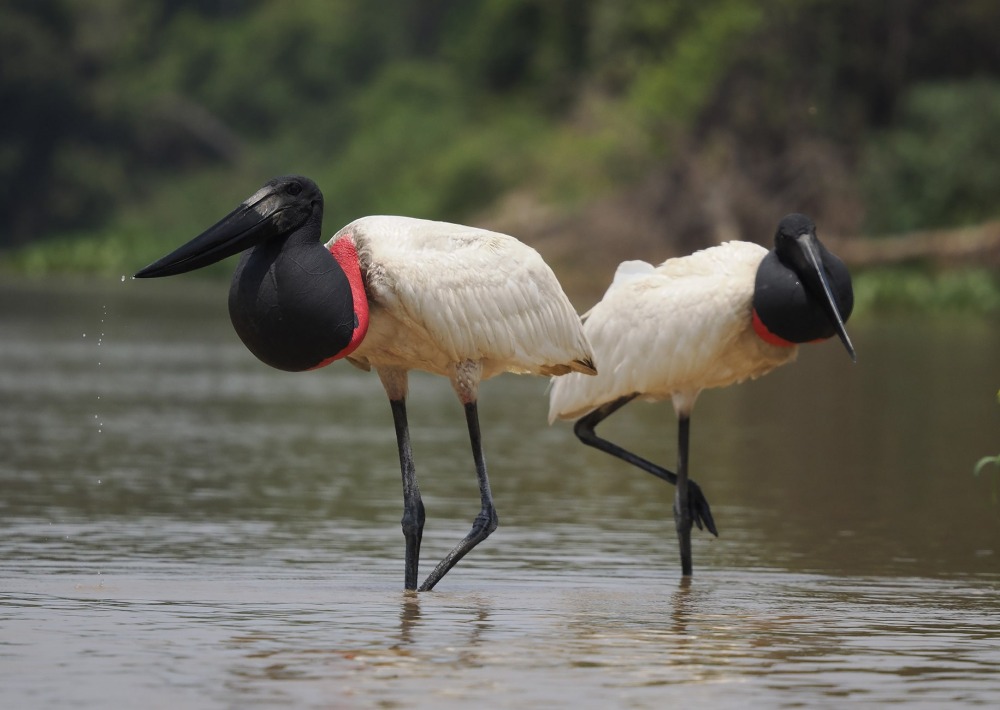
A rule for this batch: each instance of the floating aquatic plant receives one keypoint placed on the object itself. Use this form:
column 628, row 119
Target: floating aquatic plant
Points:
column 986, row 461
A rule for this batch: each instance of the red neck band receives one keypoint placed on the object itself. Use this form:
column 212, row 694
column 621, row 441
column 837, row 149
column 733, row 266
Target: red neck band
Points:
column 767, row 336
column 347, row 257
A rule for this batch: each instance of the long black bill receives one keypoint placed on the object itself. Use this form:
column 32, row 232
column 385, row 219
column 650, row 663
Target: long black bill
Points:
column 811, row 250
column 246, row 226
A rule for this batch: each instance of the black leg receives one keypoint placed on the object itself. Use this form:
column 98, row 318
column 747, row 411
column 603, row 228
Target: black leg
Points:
column 486, row 522
column 413, row 506
column 682, row 502
column 699, row 511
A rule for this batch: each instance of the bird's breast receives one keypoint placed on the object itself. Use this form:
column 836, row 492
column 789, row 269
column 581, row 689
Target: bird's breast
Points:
column 784, row 311
column 299, row 307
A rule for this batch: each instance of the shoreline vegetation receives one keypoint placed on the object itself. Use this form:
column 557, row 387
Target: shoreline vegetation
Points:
column 593, row 130
column 935, row 271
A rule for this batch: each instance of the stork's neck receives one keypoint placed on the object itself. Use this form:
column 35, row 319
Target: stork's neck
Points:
column 766, row 335
column 296, row 305
column 785, row 312
column 309, row 232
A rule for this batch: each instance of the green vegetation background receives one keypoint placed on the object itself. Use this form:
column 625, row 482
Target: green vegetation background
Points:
column 594, row 129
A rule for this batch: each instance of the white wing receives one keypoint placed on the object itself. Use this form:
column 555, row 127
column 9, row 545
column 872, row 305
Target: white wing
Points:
column 672, row 330
column 463, row 293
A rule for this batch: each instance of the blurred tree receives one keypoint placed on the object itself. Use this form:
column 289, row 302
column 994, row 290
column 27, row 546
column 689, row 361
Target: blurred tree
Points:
column 939, row 165
column 716, row 113
column 43, row 91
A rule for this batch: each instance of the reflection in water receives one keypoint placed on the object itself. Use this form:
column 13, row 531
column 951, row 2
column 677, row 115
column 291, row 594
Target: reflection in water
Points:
column 409, row 617
column 230, row 537
column 681, row 606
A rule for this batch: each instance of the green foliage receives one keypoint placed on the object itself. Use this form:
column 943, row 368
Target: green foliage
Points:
column 423, row 152
column 534, row 49
column 132, row 122
column 981, row 466
column 988, row 461
column 915, row 289
column 674, row 81
column 941, row 164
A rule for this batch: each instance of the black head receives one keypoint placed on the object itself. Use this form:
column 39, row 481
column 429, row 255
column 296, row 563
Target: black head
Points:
column 290, row 301
column 277, row 210
column 803, row 292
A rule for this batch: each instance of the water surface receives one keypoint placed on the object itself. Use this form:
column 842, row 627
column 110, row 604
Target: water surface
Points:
column 181, row 526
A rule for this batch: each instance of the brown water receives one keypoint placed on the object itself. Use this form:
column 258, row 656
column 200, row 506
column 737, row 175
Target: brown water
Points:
column 181, row 526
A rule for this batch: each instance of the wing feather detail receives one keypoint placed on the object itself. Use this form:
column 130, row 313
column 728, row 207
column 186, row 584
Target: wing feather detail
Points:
column 469, row 293
column 670, row 330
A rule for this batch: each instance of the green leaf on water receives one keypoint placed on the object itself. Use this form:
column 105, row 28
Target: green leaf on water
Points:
column 985, row 461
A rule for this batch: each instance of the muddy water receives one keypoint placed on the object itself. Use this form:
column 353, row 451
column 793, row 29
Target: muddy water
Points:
column 182, row 527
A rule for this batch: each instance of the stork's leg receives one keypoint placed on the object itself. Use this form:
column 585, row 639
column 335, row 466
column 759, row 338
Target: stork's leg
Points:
column 395, row 383
column 699, row 511
column 466, row 384
column 682, row 501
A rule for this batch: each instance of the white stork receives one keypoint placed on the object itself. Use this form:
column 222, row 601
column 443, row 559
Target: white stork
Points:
column 715, row 318
column 393, row 294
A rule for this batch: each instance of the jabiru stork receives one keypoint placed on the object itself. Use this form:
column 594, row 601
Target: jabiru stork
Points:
column 711, row 319
column 391, row 294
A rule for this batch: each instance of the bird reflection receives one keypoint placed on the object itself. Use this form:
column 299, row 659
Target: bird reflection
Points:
column 411, row 620
column 409, row 617
column 681, row 606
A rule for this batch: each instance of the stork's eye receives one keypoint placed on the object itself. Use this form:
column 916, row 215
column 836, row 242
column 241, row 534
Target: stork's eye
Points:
column 293, row 188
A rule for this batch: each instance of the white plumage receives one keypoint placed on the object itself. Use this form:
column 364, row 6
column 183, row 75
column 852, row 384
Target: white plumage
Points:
column 392, row 294
column 441, row 294
column 671, row 331
column 714, row 318
column 465, row 303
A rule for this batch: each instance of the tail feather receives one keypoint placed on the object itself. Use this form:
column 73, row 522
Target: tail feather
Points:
column 586, row 366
